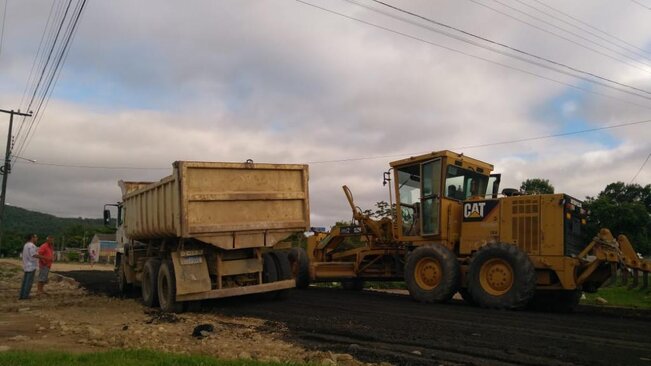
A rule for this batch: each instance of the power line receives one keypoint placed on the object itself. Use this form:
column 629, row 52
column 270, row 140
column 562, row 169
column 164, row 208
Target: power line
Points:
column 53, row 74
column 526, row 139
column 504, row 46
column 589, row 26
column 55, row 77
column 638, row 172
column 45, row 67
column 640, row 4
column 579, row 36
column 586, row 90
column 38, row 52
column 547, row 31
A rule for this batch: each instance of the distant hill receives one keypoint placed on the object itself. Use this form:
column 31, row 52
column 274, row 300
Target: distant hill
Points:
column 69, row 232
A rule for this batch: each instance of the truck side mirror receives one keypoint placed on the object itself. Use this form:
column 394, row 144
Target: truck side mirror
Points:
column 107, row 217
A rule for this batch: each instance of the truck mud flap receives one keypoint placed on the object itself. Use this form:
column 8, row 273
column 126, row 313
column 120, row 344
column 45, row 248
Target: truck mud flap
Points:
column 191, row 274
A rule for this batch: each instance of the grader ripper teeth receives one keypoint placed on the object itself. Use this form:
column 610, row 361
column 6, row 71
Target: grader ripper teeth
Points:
column 631, row 260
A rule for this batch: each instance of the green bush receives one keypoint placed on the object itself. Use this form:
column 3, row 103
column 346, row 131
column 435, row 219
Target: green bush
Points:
column 72, row 256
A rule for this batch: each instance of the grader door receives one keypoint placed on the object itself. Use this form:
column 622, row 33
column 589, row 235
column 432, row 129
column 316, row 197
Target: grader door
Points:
column 418, row 193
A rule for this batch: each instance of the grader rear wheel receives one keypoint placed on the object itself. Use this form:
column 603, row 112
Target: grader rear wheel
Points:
column 501, row 276
column 432, row 274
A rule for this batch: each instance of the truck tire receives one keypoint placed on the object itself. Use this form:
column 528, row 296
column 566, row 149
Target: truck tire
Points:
column 149, row 287
column 557, row 301
column 269, row 271
column 432, row 274
column 125, row 288
column 300, row 267
column 284, row 272
column 501, row 276
column 353, row 284
column 269, row 274
column 167, row 289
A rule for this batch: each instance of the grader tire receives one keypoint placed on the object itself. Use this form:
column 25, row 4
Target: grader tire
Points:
column 167, row 289
column 284, row 270
column 300, row 267
column 501, row 276
column 149, row 288
column 432, row 274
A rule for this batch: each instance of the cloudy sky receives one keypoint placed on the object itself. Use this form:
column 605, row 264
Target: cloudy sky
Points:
column 146, row 83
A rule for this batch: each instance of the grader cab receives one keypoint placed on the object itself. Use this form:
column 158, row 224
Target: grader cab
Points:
column 452, row 232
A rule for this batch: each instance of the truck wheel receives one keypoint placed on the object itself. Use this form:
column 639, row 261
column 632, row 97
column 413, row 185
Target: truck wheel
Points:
column 167, row 289
column 501, row 276
column 150, row 282
column 269, row 274
column 557, row 301
column 300, row 267
column 354, row 284
column 126, row 289
column 432, row 274
column 284, row 272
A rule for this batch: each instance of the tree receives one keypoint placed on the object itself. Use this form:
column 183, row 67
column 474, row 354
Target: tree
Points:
column 537, row 186
column 624, row 209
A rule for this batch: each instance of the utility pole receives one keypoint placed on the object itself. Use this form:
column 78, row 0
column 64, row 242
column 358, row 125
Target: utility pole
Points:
column 6, row 169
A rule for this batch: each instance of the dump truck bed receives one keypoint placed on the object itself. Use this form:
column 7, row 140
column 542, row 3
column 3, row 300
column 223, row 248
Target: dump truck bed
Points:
column 229, row 205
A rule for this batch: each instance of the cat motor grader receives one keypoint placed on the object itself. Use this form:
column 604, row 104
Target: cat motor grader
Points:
column 452, row 232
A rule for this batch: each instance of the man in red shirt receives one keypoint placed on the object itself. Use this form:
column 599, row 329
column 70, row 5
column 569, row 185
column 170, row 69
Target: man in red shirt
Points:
column 46, row 257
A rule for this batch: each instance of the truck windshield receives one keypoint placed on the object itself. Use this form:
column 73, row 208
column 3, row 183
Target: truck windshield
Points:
column 461, row 184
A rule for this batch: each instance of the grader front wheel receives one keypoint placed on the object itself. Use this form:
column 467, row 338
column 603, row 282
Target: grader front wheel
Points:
column 501, row 276
column 432, row 274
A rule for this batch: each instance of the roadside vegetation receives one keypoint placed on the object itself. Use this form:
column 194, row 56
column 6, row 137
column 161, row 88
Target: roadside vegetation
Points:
column 620, row 296
column 119, row 357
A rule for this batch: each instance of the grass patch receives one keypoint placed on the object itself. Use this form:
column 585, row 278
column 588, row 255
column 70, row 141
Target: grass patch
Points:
column 621, row 296
column 119, row 357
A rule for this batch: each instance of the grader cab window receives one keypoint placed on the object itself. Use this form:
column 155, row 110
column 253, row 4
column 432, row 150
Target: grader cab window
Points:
column 409, row 190
column 419, row 187
column 461, row 184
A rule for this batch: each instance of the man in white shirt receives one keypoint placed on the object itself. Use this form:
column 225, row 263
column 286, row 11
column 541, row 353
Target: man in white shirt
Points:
column 30, row 263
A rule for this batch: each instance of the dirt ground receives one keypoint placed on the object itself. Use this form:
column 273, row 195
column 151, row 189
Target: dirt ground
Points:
column 329, row 326
column 72, row 318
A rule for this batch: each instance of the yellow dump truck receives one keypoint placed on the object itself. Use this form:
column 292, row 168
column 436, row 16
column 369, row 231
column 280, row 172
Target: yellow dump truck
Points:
column 210, row 230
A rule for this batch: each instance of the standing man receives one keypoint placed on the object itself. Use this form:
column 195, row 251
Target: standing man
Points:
column 46, row 257
column 30, row 262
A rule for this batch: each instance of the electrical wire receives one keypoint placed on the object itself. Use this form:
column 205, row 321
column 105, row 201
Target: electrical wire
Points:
column 53, row 76
column 38, row 116
column 640, row 4
column 511, row 48
column 466, row 147
column 586, row 90
column 638, row 172
column 579, row 36
column 583, row 29
column 492, row 49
